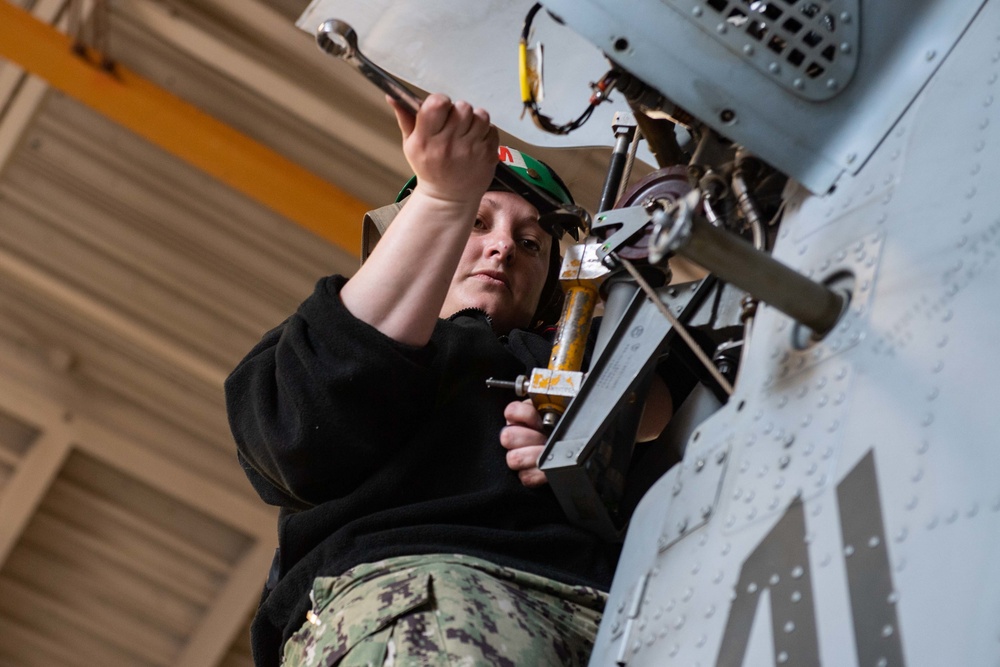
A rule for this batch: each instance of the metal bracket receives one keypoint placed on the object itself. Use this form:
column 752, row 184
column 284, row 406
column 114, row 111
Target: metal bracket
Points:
column 587, row 455
column 859, row 260
column 632, row 220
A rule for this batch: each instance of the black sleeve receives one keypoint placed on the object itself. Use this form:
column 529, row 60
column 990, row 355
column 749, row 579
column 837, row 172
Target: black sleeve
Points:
column 320, row 402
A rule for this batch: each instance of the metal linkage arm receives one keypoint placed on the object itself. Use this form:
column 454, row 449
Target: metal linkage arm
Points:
column 588, row 454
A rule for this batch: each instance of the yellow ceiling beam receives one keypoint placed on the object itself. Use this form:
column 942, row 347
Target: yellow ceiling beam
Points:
column 183, row 130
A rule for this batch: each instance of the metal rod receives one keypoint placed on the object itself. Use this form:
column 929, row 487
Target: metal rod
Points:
column 748, row 208
column 493, row 383
column 616, row 168
column 627, row 176
column 750, row 213
column 734, row 260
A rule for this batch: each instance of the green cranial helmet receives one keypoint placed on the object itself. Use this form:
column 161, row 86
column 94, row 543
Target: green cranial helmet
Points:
column 528, row 168
column 531, row 171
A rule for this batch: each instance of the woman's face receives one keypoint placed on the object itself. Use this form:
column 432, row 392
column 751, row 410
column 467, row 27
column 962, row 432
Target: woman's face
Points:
column 503, row 267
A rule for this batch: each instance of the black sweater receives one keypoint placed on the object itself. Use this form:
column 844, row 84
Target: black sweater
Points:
column 376, row 449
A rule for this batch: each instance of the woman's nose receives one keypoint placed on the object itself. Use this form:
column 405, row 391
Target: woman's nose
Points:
column 502, row 247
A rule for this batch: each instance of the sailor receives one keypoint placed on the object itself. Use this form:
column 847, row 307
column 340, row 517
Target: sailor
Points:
column 415, row 525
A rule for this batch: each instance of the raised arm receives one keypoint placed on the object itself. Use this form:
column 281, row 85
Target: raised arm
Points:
column 452, row 149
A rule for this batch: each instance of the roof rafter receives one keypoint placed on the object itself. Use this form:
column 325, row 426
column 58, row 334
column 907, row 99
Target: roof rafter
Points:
column 183, row 130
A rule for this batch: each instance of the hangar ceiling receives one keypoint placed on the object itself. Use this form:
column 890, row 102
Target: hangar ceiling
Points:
column 131, row 282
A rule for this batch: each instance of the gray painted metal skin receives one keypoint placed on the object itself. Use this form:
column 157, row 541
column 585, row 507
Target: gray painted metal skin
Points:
column 688, row 50
column 854, row 511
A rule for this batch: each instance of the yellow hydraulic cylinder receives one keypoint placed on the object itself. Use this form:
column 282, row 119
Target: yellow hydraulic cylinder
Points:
column 581, row 277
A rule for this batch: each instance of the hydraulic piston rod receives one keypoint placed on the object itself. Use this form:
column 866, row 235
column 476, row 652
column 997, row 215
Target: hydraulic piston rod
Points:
column 680, row 229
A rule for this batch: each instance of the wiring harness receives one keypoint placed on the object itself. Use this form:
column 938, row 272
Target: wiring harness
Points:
column 529, row 76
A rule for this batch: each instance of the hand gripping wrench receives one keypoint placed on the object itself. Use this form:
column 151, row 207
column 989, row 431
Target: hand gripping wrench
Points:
column 339, row 39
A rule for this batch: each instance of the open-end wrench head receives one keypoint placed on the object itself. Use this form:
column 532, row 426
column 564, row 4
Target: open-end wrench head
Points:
column 337, row 38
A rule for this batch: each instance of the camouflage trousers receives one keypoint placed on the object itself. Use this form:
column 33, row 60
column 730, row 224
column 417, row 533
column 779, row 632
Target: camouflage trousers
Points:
column 445, row 611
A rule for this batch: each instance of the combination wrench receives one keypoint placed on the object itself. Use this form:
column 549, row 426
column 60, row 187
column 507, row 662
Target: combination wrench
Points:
column 339, row 39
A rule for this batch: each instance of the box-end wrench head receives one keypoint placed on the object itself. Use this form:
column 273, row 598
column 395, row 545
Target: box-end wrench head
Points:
column 339, row 39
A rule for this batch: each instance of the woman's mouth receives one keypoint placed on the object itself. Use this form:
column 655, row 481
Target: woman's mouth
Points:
column 493, row 278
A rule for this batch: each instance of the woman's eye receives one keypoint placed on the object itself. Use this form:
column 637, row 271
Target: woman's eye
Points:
column 531, row 245
column 479, row 224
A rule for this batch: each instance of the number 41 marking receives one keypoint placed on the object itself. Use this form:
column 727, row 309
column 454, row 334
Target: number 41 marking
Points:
column 793, row 616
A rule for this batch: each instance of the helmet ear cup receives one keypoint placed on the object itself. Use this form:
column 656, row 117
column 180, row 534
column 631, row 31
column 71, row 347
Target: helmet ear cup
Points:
column 550, row 302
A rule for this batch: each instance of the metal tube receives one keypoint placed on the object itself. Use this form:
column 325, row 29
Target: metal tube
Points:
column 615, row 170
column 748, row 209
column 734, row 260
column 621, row 290
column 752, row 216
column 574, row 327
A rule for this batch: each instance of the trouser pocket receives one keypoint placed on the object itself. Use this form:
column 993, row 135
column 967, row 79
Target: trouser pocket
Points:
column 356, row 617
